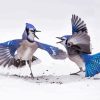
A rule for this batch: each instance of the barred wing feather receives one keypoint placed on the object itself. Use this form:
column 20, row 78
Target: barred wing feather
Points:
column 53, row 51
column 7, row 52
column 78, row 25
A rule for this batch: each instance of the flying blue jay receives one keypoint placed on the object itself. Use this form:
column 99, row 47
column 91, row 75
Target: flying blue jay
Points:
column 79, row 49
column 19, row 51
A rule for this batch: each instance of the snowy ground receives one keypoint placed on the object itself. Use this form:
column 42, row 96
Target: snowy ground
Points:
column 64, row 87
column 16, row 84
column 52, row 80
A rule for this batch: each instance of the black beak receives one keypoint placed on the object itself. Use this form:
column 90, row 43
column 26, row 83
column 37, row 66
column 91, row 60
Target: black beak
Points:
column 37, row 31
column 60, row 39
column 35, row 36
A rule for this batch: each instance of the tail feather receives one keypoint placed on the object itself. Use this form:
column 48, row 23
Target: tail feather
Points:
column 11, row 62
column 92, row 64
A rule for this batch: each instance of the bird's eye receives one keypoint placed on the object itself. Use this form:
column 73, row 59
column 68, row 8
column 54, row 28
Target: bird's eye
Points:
column 33, row 31
column 69, row 44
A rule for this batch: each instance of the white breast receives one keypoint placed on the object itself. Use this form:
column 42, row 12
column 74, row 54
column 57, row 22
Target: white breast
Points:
column 26, row 54
column 26, row 50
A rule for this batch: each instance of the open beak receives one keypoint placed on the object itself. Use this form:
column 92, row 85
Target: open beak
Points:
column 60, row 39
column 35, row 36
column 37, row 31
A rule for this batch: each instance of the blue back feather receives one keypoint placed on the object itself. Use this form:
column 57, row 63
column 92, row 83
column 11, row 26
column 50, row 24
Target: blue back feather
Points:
column 92, row 64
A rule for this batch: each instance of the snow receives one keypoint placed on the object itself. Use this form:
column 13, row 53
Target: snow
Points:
column 72, row 88
column 52, row 80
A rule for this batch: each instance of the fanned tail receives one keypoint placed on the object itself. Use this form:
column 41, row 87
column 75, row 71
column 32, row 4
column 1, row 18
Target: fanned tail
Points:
column 92, row 64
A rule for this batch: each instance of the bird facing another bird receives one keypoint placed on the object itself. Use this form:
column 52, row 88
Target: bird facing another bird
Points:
column 19, row 51
column 77, row 46
column 79, row 49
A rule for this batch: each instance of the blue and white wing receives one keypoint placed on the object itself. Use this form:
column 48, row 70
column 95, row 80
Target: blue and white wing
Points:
column 78, row 25
column 92, row 64
column 54, row 52
column 7, row 52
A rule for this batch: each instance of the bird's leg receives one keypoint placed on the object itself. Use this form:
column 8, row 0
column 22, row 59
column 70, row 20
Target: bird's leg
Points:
column 81, row 70
column 30, row 69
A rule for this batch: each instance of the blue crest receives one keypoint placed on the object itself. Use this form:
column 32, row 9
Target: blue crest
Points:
column 28, row 25
column 66, row 36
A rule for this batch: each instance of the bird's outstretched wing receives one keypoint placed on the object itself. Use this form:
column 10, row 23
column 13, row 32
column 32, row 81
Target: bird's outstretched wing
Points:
column 54, row 52
column 80, row 41
column 78, row 25
column 7, row 51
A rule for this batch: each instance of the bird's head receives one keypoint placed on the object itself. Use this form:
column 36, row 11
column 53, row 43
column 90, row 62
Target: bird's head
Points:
column 63, row 39
column 31, row 30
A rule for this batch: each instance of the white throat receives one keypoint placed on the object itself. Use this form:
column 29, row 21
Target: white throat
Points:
column 31, row 36
column 64, row 43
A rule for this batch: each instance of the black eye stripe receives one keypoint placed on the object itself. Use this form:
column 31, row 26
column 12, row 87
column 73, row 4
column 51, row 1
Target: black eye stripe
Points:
column 32, row 30
column 27, row 31
column 66, row 41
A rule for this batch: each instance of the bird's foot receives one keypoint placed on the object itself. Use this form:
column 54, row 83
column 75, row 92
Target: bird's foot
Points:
column 77, row 73
column 74, row 74
column 32, row 75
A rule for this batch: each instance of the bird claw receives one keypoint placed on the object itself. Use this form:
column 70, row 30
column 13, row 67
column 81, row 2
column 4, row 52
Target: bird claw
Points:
column 77, row 73
column 74, row 74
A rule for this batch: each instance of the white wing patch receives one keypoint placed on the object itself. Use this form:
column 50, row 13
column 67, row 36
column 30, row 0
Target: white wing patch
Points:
column 54, row 53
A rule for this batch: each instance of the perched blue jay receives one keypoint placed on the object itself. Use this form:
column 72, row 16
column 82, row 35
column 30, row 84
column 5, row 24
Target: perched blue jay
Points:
column 19, row 51
column 79, row 49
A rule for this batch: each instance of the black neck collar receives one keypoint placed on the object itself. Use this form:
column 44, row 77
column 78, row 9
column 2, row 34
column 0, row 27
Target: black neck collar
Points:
column 30, row 40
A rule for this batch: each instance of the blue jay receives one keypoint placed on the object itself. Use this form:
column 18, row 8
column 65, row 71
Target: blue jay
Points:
column 19, row 51
column 79, row 49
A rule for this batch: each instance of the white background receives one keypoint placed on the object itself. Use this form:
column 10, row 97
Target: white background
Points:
column 52, row 17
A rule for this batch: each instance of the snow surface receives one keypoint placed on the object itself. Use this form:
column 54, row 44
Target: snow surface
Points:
column 49, row 87
column 52, row 80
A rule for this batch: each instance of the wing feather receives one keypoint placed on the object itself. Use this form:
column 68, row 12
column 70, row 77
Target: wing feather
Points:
column 82, row 40
column 53, row 51
column 78, row 25
column 7, row 52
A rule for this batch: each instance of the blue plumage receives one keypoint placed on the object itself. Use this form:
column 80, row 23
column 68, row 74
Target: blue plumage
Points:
column 78, row 48
column 50, row 49
column 25, row 48
column 14, row 44
column 92, row 64
column 29, row 26
column 7, row 52
column 9, row 56
column 77, row 25
column 11, row 45
column 53, row 51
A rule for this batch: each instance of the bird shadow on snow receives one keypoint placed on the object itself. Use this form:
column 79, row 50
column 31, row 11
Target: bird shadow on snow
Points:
column 50, row 79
